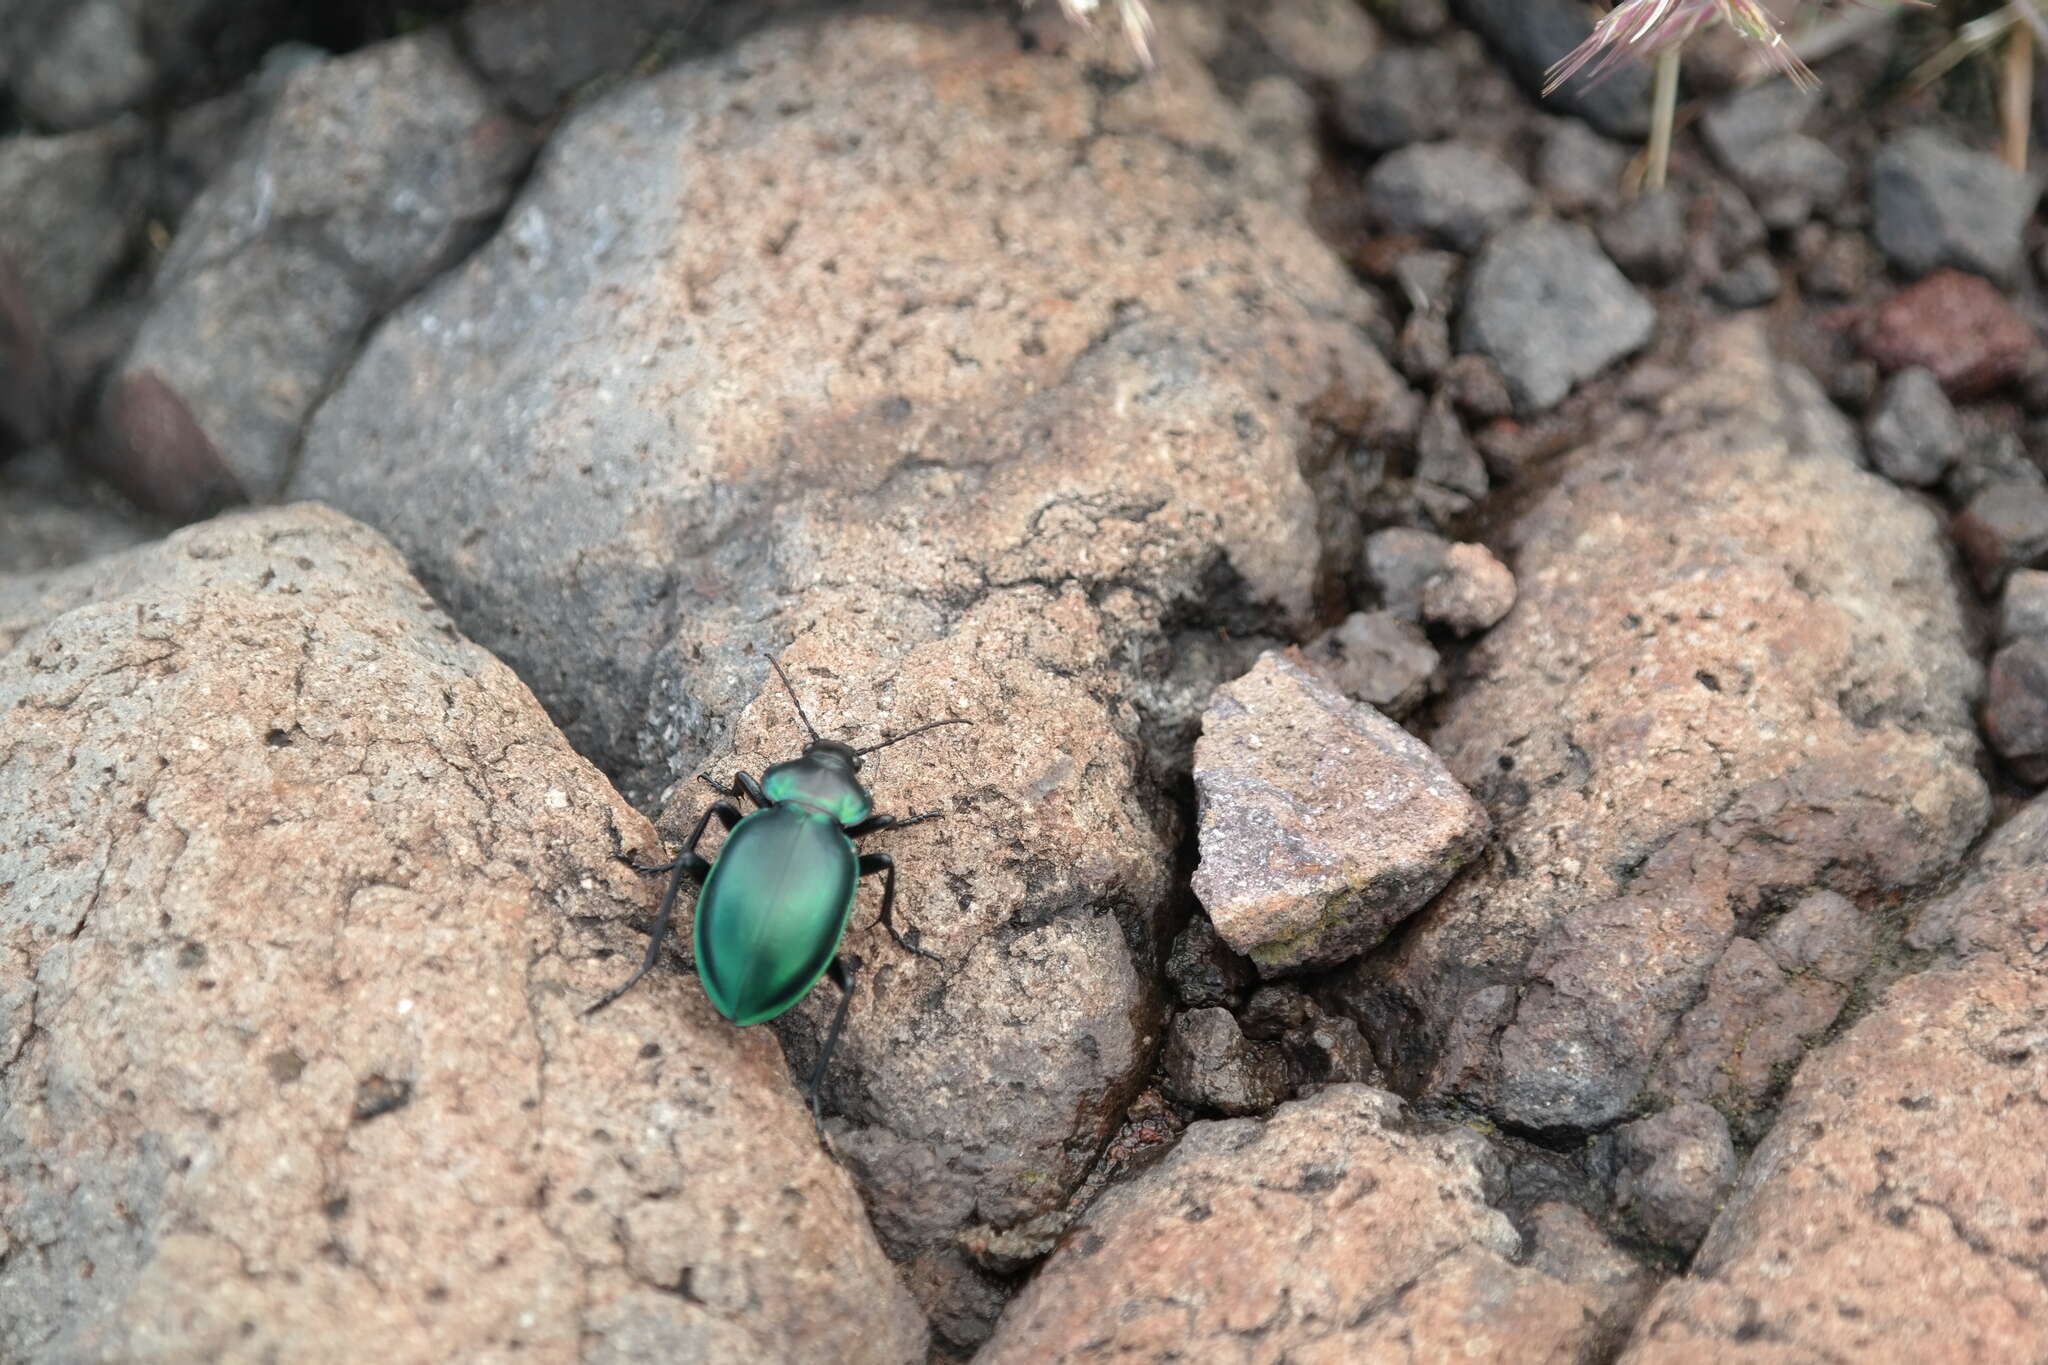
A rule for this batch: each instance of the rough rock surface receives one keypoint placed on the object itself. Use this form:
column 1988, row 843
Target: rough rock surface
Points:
column 368, row 174
column 1545, row 305
column 1736, row 671
column 1914, row 433
column 1936, row 203
column 71, row 209
column 1380, row 659
column 1471, row 594
column 305, row 900
column 1960, row 326
column 1348, row 1234
column 1676, row 1167
column 704, row 419
column 2016, row 707
column 1212, row 1066
column 1895, row 1212
column 1323, row 823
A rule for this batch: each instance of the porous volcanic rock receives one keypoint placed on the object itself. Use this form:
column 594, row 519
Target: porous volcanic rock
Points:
column 1337, row 1230
column 1025, row 369
column 305, row 900
column 1896, row 1211
column 1736, row 671
column 1323, row 823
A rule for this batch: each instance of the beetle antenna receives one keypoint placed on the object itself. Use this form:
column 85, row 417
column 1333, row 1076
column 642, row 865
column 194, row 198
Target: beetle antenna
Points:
column 898, row 739
column 793, row 699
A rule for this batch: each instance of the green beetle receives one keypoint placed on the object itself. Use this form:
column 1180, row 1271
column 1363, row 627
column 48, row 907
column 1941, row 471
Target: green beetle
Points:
column 779, row 892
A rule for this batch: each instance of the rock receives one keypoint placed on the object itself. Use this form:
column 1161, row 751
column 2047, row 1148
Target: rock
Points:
column 1890, row 1214
column 1546, row 306
column 1755, row 135
column 1767, row 1000
column 1204, row 972
column 2023, row 612
column 1445, row 457
column 1424, row 347
column 537, row 53
column 307, row 905
column 1991, row 458
column 147, row 443
column 1531, row 36
column 1750, row 283
column 1378, row 658
column 1400, row 561
column 1428, row 279
column 369, row 173
column 1958, row 326
column 2004, row 527
column 1211, row 1066
column 1736, row 667
column 1577, row 169
column 1409, row 1261
column 28, row 382
column 1475, row 385
column 1647, row 237
column 1415, row 18
column 1936, row 203
column 1473, row 592
column 1914, row 435
column 72, row 210
column 2016, row 707
column 1323, row 824
column 1451, row 190
column 1676, row 1168
column 703, row 422
column 50, row 517
column 1840, row 266
column 1398, row 99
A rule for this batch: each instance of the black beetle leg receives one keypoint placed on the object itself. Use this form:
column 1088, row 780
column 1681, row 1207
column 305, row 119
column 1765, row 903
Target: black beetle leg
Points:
column 871, row 863
column 875, row 824
column 690, row 865
column 843, row 975
column 743, row 784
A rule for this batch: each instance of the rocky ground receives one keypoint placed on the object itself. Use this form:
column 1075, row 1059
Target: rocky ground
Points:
column 1501, row 821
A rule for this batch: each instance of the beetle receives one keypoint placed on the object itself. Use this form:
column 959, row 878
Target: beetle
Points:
column 778, row 894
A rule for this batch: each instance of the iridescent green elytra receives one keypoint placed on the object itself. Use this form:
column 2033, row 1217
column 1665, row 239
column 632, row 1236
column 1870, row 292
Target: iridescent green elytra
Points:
column 779, row 893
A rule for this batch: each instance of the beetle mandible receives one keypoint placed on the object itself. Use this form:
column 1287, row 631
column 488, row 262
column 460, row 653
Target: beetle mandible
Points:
column 779, row 892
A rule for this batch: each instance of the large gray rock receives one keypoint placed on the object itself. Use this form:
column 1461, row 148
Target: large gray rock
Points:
column 1544, row 304
column 1451, row 190
column 675, row 417
column 1936, row 203
column 305, row 900
column 1337, row 1230
column 1531, row 36
column 72, row 210
column 1737, row 670
column 1323, row 823
column 1914, row 432
column 1896, row 1212
column 368, row 174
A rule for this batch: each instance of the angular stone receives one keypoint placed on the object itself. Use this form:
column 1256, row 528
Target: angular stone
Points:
column 1400, row 561
column 1914, row 433
column 1647, row 237
column 306, row 899
column 1204, row 972
column 1472, row 592
column 1737, row 665
column 1751, row 282
column 1457, row 192
column 1323, row 824
column 1577, row 169
column 702, row 422
column 1337, row 1230
column 72, row 210
column 1936, row 203
column 1787, row 174
column 1960, row 327
column 1676, row 1167
column 2002, row 528
column 1211, row 1066
column 1547, row 307
column 368, row 174
column 2016, row 707
column 2023, row 612
column 1380, row 659
column 1398, row 99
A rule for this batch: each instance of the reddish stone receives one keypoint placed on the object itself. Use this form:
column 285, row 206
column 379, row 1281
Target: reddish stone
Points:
column 1959, row 326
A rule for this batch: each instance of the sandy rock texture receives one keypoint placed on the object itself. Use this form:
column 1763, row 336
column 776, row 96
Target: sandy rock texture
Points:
column 1736, row 672
column 304, row 897
column 1894, row 1212
column 1346, row 1232
column 697, row 419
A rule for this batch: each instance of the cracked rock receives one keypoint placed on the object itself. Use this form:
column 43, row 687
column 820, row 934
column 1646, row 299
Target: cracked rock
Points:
column 1380, row 659
column 1737, row 665
column 368, row 174
column 1551, row 310
column 1676, row 1168
column 1892, row 1213
column 1337, row 1230
column 1213, row 1067
column 1323, row 823
column 1936, row 203
column 306, row 903
column 705, row 420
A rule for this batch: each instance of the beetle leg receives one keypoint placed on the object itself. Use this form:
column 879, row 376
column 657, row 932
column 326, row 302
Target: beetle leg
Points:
column 875, row 824
column 743, row 784
column 871, row 863
column 842, row 974
column 689, row 865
